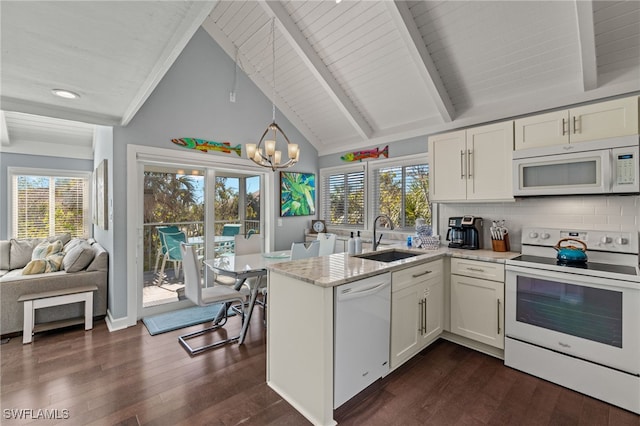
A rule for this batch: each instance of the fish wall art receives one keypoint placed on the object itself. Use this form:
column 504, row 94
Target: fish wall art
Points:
column 366, row 154
column 205, row 146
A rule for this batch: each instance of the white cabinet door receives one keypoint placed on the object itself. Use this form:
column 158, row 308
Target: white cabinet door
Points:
column 433, row 296
column 405, row 316
column 605, row 120
column 591, row 122
column 448, row 178
column 417, row 299
column 542, row 130
column 477, row 309
column 489, row 162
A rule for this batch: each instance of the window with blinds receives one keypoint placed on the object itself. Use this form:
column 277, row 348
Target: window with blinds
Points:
column 402, row 193
column 49, row 205
column 343, row 197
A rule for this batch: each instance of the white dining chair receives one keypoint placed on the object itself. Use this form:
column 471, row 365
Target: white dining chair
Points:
column 249, row 245
column 204, row 297
column 302, row 251
column 327, row 243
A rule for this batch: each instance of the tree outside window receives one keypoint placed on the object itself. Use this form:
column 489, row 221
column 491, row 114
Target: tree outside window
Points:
column 402, row 193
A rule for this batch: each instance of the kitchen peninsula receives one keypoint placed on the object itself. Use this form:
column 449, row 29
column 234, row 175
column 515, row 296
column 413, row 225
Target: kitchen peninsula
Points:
column 300, row 318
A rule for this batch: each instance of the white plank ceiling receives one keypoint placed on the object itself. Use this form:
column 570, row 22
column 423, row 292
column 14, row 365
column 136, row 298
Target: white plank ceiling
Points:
column 348, row 75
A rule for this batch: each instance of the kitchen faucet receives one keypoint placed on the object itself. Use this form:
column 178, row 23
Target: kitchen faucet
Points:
column 389, row 221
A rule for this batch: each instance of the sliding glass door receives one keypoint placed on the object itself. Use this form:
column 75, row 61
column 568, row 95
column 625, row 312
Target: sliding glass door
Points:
column 205, row 206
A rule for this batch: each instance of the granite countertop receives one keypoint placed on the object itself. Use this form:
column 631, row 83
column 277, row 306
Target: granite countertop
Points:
column 341, row 268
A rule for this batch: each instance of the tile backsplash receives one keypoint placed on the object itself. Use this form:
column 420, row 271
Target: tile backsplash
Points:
column 611, row 212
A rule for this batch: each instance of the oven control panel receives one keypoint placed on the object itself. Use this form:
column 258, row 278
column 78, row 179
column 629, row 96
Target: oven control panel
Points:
column 606, row 241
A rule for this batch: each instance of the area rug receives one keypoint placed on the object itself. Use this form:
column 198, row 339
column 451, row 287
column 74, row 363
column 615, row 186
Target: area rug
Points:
column 169, row 321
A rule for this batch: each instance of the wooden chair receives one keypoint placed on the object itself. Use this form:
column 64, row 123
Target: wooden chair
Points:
column 204, row 297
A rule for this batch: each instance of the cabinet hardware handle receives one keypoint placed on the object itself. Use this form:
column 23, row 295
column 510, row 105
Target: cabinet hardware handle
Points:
column 475, row 269
column 421, row 315
column 498, row 316
column 424, row 316
column 469, row 163
column 421, row 274
column 575, row 125
column 461, row 164
column 564, row 127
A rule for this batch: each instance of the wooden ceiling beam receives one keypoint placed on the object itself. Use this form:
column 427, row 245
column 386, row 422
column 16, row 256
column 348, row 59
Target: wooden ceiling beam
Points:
column 587, row 40
column 316, row 66
column 408, row 29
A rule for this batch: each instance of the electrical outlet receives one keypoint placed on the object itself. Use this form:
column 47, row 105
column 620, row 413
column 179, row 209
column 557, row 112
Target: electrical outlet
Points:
column 232, row 96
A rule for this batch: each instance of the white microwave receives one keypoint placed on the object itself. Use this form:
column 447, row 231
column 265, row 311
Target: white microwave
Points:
column 602, row 167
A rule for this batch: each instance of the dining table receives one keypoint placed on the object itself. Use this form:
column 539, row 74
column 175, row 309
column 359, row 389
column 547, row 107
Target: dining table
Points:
column 241, row 268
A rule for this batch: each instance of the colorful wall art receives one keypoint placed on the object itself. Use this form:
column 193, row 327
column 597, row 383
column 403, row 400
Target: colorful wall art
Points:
column 366, row 154
column 297, row 194
column 205, row 146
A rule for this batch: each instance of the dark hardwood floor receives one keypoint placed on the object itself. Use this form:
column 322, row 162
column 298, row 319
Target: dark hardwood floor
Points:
column 129, row 377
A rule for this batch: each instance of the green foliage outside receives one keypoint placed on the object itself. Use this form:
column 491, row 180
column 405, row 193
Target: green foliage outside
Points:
column 405, row 190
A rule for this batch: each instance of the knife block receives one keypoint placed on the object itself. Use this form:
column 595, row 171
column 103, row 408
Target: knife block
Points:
column 501, row 245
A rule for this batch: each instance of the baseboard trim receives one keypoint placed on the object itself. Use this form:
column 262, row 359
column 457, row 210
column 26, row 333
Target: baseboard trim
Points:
column 116, row 324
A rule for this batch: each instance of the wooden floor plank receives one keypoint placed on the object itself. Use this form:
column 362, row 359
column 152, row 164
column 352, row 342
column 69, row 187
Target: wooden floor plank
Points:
column 131, row 378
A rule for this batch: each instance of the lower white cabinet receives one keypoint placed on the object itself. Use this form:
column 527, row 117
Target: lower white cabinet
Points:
column 417, row 299
column 477, row 304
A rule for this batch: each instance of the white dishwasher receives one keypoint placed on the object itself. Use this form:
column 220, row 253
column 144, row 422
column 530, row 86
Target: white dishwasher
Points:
column 361, row 335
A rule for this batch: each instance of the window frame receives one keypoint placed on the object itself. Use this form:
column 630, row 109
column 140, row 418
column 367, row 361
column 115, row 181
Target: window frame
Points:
column 405, row 161
column 343, row 169
column 87, row 176
column 370, row 168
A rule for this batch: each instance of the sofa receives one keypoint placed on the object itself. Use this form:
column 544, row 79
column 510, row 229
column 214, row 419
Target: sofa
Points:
column 30, row 266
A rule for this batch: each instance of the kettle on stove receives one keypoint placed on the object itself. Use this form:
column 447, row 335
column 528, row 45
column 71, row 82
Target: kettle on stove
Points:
column 571, row 253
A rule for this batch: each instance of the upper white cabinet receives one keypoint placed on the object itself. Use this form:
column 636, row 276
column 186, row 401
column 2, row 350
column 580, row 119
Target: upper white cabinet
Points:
column 598, row 121
column 472, row 164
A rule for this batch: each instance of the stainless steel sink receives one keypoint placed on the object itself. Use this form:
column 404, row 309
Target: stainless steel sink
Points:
column 388, row 255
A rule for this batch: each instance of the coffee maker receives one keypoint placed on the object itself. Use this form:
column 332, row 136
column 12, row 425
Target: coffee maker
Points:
column 465, row 232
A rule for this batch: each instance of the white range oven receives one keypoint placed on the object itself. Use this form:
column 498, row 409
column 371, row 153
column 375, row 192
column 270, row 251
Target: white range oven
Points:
column 577, row 324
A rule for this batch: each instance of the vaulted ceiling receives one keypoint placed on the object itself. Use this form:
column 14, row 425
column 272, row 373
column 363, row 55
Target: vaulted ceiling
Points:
column 348, row 74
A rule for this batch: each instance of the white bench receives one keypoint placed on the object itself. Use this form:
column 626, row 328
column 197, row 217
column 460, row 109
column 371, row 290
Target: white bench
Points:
column 55, row 298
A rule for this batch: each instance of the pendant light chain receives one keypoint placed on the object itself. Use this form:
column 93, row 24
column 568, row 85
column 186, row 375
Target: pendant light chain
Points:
column 273, row 67
column 268, row 155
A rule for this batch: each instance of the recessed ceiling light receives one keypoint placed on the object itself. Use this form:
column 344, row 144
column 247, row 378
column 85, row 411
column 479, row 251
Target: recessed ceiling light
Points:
column 67, row 94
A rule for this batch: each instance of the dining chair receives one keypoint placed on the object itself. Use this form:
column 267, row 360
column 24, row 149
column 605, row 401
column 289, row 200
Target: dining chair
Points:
column 200, row 296
column 302, row 251
column 162, row 248
column 171, row 242
column 327, row 243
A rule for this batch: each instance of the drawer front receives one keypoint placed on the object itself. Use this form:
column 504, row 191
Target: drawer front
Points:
column 478, row 269
column 408, row 277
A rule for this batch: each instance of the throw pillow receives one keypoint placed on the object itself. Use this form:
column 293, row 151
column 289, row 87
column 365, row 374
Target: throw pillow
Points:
column 45, row 249
column 21, row 250
column 78, row 257
column 60, row 237
column 51, row 263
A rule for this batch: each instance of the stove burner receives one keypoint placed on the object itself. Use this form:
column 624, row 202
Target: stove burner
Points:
column 594, row 266
column 569, row 264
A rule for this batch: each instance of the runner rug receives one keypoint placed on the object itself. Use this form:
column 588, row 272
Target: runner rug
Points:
column 169, row 321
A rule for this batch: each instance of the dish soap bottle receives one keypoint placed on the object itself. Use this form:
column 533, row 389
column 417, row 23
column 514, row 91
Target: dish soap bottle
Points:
column 358, row 244
column 351, row 245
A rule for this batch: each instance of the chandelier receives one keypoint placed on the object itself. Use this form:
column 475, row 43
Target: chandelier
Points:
column 271, row 157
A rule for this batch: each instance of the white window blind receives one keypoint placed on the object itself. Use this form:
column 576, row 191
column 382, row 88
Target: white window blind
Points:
column 401, row 191
column 49, row 205
column 343, row 196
